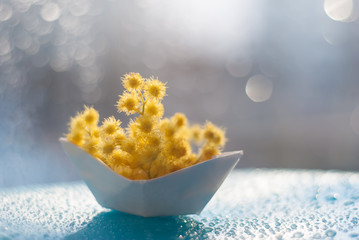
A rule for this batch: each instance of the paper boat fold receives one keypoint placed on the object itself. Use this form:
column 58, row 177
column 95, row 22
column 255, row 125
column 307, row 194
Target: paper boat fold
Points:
column 186, row 191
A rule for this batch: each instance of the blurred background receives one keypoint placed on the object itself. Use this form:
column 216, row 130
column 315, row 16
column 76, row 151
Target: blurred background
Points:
column 282, row 77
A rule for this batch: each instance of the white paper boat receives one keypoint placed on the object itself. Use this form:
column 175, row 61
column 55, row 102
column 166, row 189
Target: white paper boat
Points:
column 186, row 191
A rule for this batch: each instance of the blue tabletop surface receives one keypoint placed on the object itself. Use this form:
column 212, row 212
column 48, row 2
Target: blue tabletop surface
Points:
column 268, row 204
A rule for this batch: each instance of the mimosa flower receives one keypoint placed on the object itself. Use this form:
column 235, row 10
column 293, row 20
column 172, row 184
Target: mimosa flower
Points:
column 155, row 168
column 214, row 134
column 208, row 151
column 120, row 157
column 180, row 120
column 105, row 148
column 133, row 81
column 177, row 148
column 155, row 88
column 119, row 136
column 173, row 166
column 128, row 145
column 184, row 133
column 90, row 145
column 154, row 140
column 124, row 170
column 189, row 160
column 77, row 123
column 95, row 132
column 196, row 133
column 109, row 126
column 76, row 137
column 128, row 103
column 145, row 124
column 158, row 166
column 182, row 162
column 220, row 139
column 90, row 116
column 209, row 131
column 167, row 128
column 151, row 146
column 154, row 108
column 139, row 174
column 145, row 156
column 142, row 125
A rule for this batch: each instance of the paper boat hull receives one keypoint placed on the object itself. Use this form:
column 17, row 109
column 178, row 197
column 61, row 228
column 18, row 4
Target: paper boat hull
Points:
column 186, row 191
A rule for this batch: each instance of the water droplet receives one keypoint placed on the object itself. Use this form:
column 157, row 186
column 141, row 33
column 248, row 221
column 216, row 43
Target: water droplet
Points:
column 332, row 197
column 298, row 235
column 347, row 203
column 279, row 237
column 317, row 236
column 330, row 233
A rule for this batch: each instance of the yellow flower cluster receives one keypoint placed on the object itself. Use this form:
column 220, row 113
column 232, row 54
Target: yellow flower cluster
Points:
column 151, row 146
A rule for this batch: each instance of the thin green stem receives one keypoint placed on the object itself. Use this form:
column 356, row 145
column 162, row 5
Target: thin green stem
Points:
column 143, row 102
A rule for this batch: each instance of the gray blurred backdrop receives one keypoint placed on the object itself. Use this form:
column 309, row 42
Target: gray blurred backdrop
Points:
column 281, row 76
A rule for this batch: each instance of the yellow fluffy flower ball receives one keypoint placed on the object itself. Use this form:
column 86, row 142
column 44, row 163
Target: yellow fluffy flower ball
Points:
column 133, row 81
column 128, row 103
column 155, row 88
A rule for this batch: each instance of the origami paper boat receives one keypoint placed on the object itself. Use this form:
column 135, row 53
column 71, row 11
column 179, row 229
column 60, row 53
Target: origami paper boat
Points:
column 186, row 191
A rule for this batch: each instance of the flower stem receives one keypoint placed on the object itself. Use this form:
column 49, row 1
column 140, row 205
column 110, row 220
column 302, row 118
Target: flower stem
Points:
column 143, row 102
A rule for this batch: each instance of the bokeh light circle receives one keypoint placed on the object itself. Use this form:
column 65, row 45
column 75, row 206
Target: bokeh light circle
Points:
column 259, row 88
column 50, row 12
column 339, row 10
